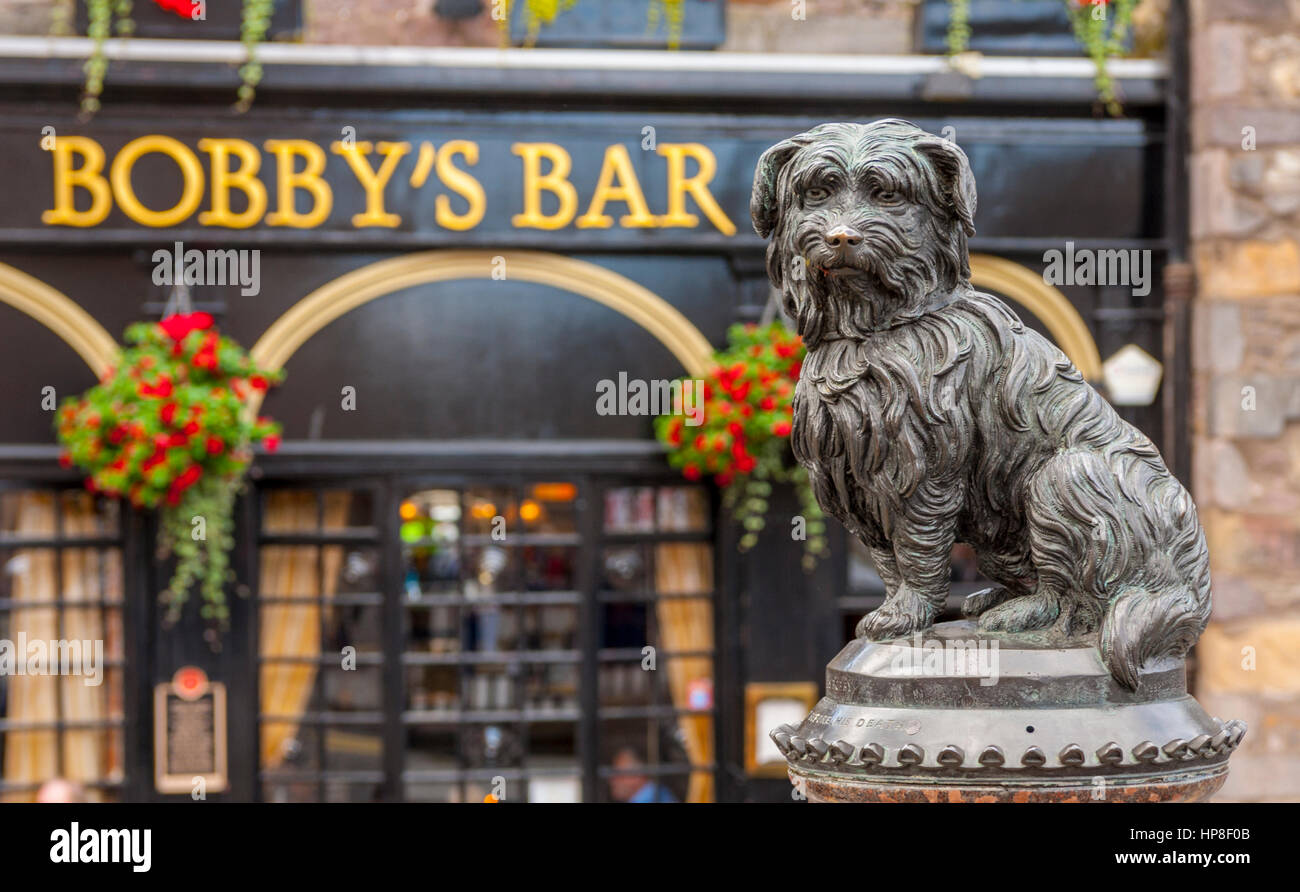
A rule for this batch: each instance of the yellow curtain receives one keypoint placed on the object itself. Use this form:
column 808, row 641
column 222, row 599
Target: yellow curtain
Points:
column 293, row 630
column 686, row 624
column 88, row 754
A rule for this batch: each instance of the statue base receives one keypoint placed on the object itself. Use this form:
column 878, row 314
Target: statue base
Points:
column 955, row 714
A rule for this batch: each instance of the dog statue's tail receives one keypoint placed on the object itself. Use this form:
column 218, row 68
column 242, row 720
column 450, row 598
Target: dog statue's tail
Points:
column 1141, row 625
column 1163, row 611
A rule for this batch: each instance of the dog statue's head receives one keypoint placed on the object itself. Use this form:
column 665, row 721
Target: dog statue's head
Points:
column 868, row 224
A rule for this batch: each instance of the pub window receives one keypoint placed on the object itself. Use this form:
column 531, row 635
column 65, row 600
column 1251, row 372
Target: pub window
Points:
column 320, row 592
column 517, row 616
column 657, row 586
column 61, row 584
column 491, row 656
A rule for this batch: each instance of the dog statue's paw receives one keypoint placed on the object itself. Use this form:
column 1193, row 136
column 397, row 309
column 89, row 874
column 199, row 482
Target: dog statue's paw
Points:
column 895, row 619
column 1023, row 614
column 984, row 599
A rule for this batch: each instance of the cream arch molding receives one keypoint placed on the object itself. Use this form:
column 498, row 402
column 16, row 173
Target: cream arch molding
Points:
column 98, row 348
column 61, row 315
column 339, row 296
column 675, row 331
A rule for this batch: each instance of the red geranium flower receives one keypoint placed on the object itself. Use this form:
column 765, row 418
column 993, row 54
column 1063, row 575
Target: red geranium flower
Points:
column 180, row 325
column 162, row 389
column 675, row 432
column 184, row 8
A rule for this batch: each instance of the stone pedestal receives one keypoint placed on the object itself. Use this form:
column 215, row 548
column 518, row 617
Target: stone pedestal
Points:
column 959, row 715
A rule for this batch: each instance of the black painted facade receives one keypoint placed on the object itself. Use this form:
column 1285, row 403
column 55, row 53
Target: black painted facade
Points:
column 475, row 382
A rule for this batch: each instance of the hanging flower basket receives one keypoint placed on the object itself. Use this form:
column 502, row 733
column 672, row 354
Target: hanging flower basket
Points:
column 743, row 440
column 169, row 428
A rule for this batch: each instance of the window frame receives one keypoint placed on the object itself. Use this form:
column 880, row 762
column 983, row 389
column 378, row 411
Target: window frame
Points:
column 389, row 487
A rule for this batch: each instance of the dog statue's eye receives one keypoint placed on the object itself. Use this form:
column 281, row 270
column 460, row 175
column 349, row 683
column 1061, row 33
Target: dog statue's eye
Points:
column 886, row 196
column 816, row 193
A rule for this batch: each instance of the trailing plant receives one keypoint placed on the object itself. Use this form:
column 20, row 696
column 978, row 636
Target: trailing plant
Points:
column 253, row 25
column 1103, row 35
column 536, row 14
column 168, row 428
column 540, row 13
column 958, row 26
column 743, row 437
column 1100, row 26
column 105, row 17
column 671, row 11
column 62, row 13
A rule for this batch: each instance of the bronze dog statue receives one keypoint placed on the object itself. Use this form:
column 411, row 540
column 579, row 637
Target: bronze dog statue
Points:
column 927, row 414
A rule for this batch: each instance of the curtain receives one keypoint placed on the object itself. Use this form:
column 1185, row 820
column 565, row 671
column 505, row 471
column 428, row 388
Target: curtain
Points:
column 686, row 624
column 293, row 630
column 89, row 754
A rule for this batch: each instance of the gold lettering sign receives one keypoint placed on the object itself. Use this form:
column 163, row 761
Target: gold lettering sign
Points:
column 291, row 188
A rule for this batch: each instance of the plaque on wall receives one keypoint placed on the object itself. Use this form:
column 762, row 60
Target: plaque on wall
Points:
column 766, row 702
column 189, row 718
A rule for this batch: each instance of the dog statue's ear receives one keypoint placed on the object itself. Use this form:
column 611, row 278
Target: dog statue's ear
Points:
column 763, row 200
column 953, row 169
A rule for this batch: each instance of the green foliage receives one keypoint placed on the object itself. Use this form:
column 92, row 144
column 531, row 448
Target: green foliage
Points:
column 671, row 11
column 958, row 26
column 107, row 16
column 539, row 13
column 100, row 23
column 1100, row 26
column 255, row 22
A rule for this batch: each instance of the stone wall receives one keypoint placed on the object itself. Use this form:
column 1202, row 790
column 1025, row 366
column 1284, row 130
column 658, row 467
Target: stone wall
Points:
column 1245, row 195
column 821, row 26
column 25, row 16
column 828, row 26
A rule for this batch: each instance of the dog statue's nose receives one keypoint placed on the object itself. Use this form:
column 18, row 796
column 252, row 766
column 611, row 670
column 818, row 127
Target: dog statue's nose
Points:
column 842, row 237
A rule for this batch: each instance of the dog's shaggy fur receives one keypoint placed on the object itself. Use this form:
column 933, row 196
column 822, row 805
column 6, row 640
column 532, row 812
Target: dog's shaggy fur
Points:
column 927, row 414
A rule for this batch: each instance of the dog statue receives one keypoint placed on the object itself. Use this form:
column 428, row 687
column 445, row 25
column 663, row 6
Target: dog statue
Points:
column 927, row 414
